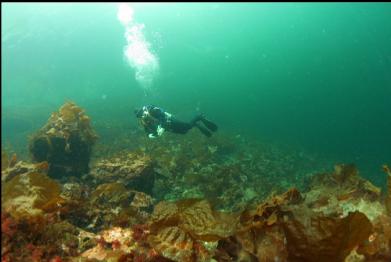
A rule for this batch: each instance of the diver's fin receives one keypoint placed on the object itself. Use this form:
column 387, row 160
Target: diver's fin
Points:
column 210, row 125
column 204, row 130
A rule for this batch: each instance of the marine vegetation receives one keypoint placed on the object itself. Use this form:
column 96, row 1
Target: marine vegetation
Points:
column 220, row 199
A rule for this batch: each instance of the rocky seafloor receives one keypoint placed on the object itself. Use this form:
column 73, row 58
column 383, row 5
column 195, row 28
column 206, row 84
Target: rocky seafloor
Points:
column 184, row 198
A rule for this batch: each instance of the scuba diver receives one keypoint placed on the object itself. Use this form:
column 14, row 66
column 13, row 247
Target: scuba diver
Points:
column 155, row 121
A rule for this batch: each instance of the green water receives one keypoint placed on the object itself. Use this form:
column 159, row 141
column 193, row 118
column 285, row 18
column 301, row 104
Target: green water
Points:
column 311, row 75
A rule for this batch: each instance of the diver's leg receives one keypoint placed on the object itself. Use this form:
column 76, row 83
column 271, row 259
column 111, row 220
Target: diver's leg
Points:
column 180, row 127
column 196, row 119
column 209, row 124
column 203, row 130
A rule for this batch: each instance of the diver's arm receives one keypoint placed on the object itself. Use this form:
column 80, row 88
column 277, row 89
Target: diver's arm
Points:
column 151, row 132
column 156, row 117
column 157, row 132
column 160, row 130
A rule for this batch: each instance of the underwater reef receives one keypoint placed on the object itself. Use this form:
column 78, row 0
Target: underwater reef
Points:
column 181, row 198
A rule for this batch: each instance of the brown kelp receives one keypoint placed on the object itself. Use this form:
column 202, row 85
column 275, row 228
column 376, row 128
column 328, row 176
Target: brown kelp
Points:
column 187, row 199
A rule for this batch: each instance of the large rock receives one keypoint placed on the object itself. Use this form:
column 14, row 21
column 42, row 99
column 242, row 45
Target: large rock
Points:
column 65, row 142
column 133, row 170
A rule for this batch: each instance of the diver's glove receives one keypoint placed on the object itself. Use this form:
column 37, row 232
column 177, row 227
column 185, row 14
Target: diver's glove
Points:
column 160, row 130
column 168, row 116
column 151, row 136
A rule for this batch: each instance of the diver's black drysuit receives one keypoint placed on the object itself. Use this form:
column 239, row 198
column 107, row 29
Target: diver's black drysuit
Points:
column 155, row 121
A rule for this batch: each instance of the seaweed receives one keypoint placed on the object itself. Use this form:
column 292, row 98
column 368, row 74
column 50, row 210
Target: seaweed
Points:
column 31, row 194
column 184, row 199
column 315, row 237
column 387, row 170
column 182, row 231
